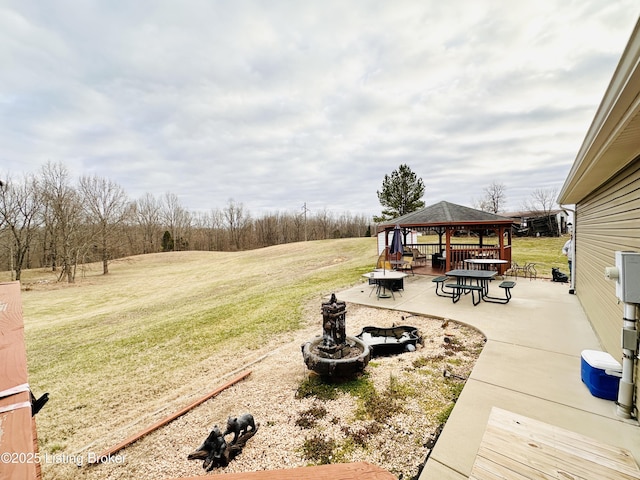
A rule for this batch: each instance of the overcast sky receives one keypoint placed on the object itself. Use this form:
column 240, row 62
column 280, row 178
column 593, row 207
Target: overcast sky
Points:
column 280, row 103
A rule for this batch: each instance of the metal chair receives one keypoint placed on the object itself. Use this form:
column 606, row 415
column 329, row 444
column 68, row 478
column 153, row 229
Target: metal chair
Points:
column 514, row 269
column 530, row 270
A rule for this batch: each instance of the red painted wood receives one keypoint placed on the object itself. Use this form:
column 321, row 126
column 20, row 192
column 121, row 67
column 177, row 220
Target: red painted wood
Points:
column 336, row 471
column 17, row 429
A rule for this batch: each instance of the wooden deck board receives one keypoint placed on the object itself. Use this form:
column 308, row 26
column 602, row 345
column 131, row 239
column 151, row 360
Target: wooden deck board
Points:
column 336, row 471
column 16, row 425
column 518, row 447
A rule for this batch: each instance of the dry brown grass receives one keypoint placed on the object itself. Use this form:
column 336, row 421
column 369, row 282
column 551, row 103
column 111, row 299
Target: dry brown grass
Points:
column 117, row 351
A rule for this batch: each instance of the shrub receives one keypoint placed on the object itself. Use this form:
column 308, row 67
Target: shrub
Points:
column 318, row 449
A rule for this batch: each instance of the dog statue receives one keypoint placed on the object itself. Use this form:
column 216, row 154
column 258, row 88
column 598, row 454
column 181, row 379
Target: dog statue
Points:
column 239, row 425
column 215, row 446
column 216, row 452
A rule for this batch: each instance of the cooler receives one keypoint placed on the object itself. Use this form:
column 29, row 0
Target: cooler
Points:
column 601, row 373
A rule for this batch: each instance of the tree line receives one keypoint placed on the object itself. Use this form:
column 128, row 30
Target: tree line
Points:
column 48, row 220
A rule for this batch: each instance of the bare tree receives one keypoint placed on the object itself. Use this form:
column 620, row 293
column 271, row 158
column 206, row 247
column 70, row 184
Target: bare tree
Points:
column 216, row 224
column 542, row 202
column 20, row 208
column 147, row 214
column 322, row 223
column 238, row 222
column 266, row 230
column 93, row 220
column 65, row 212
column 177, row 219
column 494, row 200
column 106, row 205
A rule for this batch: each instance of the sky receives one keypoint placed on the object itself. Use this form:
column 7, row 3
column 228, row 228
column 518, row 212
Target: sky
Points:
column 281, row 104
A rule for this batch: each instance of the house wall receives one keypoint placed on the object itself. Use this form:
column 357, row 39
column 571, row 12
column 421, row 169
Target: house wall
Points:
column 607, row 220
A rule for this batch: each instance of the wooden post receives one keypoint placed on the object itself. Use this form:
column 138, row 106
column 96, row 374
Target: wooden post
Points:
column 448, row 251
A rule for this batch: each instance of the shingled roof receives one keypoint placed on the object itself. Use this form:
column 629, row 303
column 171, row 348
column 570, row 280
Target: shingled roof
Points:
column 446, row 213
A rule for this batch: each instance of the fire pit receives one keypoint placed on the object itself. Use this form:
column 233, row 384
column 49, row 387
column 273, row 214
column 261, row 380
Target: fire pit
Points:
column 334, row 354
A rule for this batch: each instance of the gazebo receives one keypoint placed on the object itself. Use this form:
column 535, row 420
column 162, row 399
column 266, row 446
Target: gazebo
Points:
column 448, row 220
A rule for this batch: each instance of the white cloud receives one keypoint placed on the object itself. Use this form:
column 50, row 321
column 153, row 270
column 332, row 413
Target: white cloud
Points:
column 279, row 103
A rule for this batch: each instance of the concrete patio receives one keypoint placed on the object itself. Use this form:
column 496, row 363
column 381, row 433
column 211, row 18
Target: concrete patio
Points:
column 530, row 365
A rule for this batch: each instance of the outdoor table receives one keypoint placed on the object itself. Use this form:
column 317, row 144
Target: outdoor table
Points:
column 385, row 279
column 484, row 263
column 401, row 265
column 398, row 263
column 481, row 278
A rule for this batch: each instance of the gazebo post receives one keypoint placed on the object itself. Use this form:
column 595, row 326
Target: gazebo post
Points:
column 447, row 250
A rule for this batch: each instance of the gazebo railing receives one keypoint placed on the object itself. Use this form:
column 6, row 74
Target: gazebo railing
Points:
column 462, row 251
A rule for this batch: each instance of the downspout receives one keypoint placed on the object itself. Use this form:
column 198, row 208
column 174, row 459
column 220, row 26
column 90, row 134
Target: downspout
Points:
column 572, row 273
column 629, row 350
column 626, row 274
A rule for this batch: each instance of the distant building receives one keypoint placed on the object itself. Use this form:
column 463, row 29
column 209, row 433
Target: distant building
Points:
column 538, row 224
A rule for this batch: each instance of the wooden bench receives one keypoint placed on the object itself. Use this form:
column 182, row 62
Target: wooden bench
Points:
column 507, row 285
column 459, row 289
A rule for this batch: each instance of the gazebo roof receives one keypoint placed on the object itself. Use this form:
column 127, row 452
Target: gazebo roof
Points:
column 447, row 214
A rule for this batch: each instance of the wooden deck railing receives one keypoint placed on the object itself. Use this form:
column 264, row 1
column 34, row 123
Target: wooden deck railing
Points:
column 462, row 251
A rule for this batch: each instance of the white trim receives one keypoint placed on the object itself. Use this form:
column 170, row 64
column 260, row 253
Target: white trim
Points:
column 13, row 390
column 15, row 406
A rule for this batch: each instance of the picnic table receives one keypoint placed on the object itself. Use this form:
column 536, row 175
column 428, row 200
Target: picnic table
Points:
column 475, row 282
column 485, row 263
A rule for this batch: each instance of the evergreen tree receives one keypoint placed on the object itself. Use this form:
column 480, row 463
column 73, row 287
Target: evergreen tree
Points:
column 167, row 242
column 401, row 194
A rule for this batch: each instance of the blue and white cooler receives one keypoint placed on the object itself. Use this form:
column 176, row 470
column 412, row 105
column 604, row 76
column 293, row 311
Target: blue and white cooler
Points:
column 601, row 373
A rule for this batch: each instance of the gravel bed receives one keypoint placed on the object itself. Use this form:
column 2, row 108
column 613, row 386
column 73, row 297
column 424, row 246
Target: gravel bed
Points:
column 398, row 443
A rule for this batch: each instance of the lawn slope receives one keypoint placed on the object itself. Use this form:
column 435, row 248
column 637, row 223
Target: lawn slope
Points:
column 160, row 329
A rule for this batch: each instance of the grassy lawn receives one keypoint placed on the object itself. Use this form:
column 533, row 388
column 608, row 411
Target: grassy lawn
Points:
column 161, row 328
column 111, row 347
column 546, row 253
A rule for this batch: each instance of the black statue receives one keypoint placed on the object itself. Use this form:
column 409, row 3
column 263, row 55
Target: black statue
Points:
column 334, row 334
column 216, row 452
column 215, row 446
column 238, row 425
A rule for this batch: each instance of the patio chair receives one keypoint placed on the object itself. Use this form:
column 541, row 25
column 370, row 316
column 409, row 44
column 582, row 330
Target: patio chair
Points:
column 410, row 262
column 383, row 262
column 418, row 258
column 438, row 261
column 526, row 270
column 530, row 270
column 514, row 269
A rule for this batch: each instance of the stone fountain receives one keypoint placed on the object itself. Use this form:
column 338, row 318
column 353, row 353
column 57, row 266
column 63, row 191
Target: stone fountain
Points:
column 334, row 354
